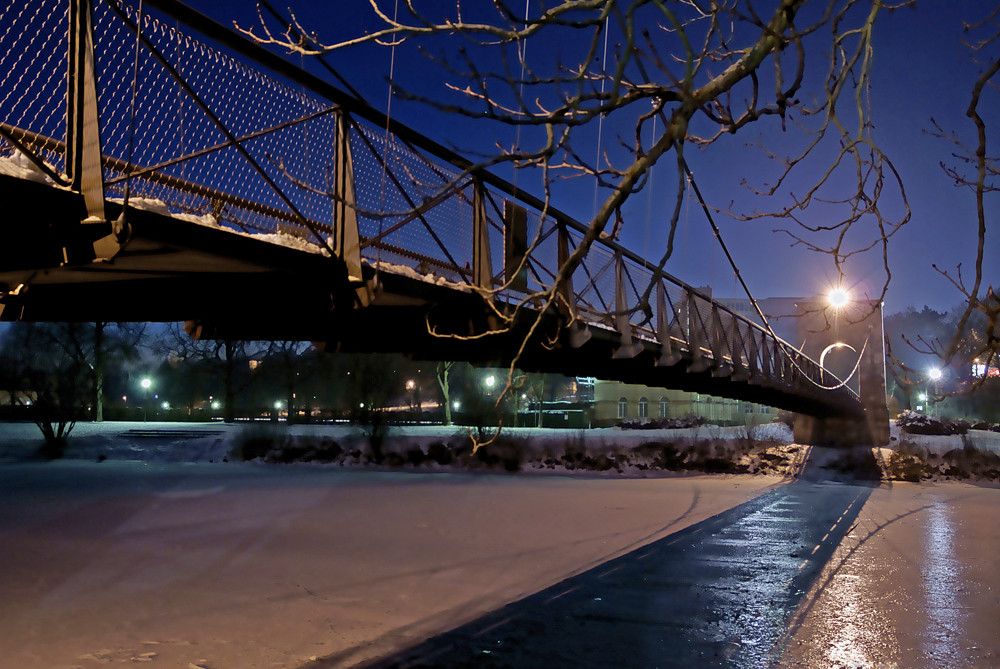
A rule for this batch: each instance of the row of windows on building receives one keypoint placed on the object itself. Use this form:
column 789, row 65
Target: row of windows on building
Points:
column 664, row 407
column 643, row 407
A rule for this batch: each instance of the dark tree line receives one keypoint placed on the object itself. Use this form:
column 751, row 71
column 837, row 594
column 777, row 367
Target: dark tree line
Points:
column 57, row 374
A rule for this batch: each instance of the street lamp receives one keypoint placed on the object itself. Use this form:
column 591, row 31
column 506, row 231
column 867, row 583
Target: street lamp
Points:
column 934, row 374
column 838, row 298
column 146, row 383
column 411, row 387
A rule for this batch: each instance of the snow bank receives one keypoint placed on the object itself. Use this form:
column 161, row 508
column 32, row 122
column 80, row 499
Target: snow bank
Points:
column 212, row 442
column 982, row 440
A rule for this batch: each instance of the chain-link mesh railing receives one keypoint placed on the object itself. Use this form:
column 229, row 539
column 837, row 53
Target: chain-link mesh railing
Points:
column 33, row 80
column 204, row 133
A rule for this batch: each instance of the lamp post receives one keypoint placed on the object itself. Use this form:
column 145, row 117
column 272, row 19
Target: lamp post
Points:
column 934, row 374
column 146, row 383
column 411, row 387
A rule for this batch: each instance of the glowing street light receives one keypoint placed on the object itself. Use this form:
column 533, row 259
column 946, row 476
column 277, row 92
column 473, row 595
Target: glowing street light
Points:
column 838, row 298
column 490, row 381
column 934, row 375
column 146, row 383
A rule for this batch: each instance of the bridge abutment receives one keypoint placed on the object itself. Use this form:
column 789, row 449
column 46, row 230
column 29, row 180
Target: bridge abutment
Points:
column 853, row 328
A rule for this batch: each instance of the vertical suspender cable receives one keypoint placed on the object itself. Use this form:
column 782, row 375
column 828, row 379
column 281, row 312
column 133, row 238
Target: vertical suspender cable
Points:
column 522, row 55
column 388, row 116
column 649, row 195
column 600, row 120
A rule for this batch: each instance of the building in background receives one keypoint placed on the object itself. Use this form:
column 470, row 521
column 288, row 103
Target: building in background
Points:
column 615, row 402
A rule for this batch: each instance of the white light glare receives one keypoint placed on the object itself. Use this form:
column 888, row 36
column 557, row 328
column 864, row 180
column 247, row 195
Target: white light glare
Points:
column 838, row 298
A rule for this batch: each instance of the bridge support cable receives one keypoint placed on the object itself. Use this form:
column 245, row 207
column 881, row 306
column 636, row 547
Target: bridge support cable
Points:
column 790, row 355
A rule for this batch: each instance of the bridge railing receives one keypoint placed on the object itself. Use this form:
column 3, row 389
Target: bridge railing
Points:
column 198, row 129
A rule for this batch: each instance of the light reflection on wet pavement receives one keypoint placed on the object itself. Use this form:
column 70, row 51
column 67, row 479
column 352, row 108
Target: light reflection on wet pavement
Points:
column 913, row 585
column 942, row 583
column 720, row 593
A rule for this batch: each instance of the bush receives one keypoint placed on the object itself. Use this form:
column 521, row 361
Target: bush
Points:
column 662, row 423
column 917, row 423
column 415, row 456
column 986, row 425
column 255, row 441
column 440, row 453
column 903, row 467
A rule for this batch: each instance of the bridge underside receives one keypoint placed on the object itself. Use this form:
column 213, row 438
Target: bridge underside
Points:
column 232, row 286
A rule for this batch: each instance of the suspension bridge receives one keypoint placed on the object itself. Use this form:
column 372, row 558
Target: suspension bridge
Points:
column 157, row 166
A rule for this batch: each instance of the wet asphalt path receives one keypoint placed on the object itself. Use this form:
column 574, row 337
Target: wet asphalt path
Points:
column 720, row 593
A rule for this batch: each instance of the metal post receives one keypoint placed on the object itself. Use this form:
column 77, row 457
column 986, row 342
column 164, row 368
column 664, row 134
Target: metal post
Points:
column 579, row 334
column 345, row 217
column 83, row 139
column 668, row 356
column 626, row 347
column 482, row 262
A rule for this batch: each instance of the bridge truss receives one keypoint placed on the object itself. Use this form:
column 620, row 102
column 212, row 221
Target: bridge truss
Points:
column 163, row 151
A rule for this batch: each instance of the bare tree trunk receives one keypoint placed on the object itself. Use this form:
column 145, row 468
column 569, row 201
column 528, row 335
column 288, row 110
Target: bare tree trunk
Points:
column 99, row 371
column 228, row 410
column 443, row 372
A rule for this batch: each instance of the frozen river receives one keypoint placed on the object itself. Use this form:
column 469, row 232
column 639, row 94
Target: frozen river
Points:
column 238, row 566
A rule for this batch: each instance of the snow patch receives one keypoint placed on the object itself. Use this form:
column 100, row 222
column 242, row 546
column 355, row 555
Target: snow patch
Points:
column 17, row 165
column 428, row 277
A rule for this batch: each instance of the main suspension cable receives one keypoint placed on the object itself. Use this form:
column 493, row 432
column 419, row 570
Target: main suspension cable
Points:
column 753, row 301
